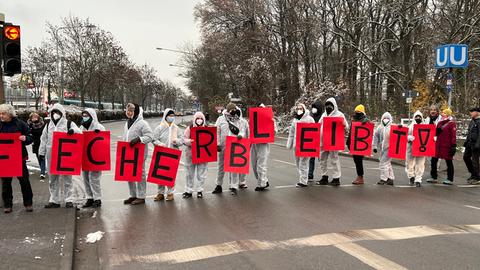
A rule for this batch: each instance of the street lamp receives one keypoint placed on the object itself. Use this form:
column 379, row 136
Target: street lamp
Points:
column 176, row 51
column 60, row 99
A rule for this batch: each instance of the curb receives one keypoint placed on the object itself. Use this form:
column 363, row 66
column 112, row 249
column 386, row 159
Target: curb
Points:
column 70, row 239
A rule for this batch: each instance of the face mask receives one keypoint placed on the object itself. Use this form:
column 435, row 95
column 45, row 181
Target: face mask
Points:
column 199, row 122
column 329, row 109
column 385, row 121
column 314, row 110
column 299, row 112
column 235, row 113
column 85, row 119
column 56, row 116
column 418, row 120
column 170, row 119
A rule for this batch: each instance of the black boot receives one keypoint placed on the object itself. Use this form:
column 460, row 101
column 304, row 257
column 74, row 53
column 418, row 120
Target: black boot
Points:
column 217, row 190
column 412, row 181
column 335, row 182
column 262, row 188
column 69, row 205
column 52, row 205
column 233, row 191
column 186, row 195
column 323, row 182
column 97, row 204
column 389, row 182
column 88, row 204
column 199, row 195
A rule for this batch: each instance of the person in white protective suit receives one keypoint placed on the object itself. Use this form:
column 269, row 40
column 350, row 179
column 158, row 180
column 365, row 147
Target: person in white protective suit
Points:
column 91, row 179
column 230, row 124
column 414, row 166
column 136, row 131
column 331, row 110
column 196, row 174
column 166, row 134
column 58, row 123
column 381, row 142
column 301, row 115
column 259, row 157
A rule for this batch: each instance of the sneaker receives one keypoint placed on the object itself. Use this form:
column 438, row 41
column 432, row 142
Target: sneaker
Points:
column 335, row 182
column 432, row 181
column 447, row 182
column 418, row 184
column 233, row 191
column 390, row 182
column 97, row 204
column 186, row 195
column 475, row 182
column 323, row 182
column 382, row 182
column 412, row 181
column 217, row 190
column 29, row 208
column 88, row 204
column 169, row 197
column 243, row 186
column 42, row 176
column 52, row 205
column 69, row 205
column 138, row 201
column 199, row 195
column 7, row 210
column 159, row 197
column 300, row 185
column 129, row 200
column 262, row 188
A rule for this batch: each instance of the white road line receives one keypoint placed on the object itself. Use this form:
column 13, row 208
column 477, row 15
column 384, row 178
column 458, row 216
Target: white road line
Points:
column 368, row 257
column 285, row 162
column 473, row 207
column 319, row 240
column 468, row 186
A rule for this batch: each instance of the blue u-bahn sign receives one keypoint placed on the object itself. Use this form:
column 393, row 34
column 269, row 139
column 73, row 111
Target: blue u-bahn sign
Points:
column 452, row 56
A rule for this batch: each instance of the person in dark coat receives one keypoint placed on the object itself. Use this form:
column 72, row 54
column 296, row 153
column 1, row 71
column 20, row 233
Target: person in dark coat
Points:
column 472, row 147
column 359, row 116
column 36, row 124
column 316, row 113
column 446, row 146
column 11, row 124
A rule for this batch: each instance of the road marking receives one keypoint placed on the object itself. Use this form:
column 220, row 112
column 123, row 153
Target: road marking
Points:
column 468, row 186
column 368, row 257
column 285, row 162
column 473, row 207
column 327, row 239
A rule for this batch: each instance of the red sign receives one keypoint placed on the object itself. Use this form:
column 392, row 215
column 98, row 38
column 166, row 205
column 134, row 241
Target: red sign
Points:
column 361, row 138
column 307, row 140
column 164, row 166
column 204, row 145
column 96, row 151
column 333, row 134
column 10, row 155
column 398, row 142
column 424, row 143
column 67, row 152
column 262, row 127
column 129, row 162
column 237, row 155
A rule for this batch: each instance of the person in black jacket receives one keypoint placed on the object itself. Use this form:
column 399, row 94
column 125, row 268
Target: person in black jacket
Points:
column 316, row 113
column 472, row 147
column 36, row 124
column 11, row 124
column 359, row 116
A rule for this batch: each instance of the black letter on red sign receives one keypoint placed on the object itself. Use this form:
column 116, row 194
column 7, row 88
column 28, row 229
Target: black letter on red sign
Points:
column 357, row 139
column 233, row 155
column 133, row 161
column 64, row 154
column 89, row 151
column 256, row 134
column 205, row 146
column 5, row 142
column 304, row 140
column 400, row 134
column 157, row 166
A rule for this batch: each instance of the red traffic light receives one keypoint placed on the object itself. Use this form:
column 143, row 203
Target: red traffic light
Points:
column 12, row 32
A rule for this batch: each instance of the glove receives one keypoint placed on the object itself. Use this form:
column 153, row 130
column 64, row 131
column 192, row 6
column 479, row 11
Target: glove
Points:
column 135, row 141
column 453, row 150
column 375, row 150
column 411, row 138
column 400, row 126
column 219, row 149
column 97, row 131
column 239, row 137
column 70, row 132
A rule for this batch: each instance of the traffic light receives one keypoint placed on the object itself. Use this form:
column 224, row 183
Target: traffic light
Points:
column 12, row 63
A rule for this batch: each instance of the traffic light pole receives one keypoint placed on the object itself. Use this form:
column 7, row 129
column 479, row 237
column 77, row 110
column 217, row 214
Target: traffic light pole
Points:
column 2, row 92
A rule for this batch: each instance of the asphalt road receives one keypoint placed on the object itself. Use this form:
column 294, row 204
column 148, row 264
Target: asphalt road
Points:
column 348, row 227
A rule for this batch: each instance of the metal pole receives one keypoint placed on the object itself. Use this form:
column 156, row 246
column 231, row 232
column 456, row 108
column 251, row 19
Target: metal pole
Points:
column 2, row 87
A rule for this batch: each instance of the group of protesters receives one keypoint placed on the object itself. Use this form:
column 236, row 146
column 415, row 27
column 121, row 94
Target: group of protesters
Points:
column 231, row 122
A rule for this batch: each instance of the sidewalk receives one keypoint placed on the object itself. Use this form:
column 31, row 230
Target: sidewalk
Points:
column 43, row 239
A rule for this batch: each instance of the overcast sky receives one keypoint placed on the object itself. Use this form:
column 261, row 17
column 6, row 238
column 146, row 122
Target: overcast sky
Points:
column 140, row 26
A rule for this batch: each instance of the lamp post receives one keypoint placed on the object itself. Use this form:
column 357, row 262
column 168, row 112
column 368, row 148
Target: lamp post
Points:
column 60, row 99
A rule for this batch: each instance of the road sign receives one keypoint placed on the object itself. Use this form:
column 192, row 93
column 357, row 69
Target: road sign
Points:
column 409, row 100
column 452, row 56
